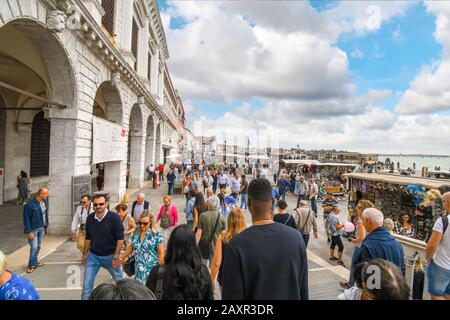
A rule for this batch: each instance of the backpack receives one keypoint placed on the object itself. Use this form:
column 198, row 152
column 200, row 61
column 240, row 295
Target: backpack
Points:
column 166, row 222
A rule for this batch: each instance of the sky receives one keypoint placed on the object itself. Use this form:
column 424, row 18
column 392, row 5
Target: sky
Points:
column 366, row 76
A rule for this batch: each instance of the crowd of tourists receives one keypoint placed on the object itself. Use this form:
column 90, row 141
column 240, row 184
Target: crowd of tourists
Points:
column 150, row 255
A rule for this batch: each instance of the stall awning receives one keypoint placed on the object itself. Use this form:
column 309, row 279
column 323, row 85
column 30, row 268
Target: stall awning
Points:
column 301, row 162
column 402, row 180
column 333, row 164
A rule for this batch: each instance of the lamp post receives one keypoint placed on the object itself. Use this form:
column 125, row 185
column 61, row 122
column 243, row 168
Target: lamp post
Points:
column 225, row 151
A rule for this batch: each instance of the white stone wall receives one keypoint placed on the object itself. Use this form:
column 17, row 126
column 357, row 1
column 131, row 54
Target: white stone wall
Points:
column 71, row 129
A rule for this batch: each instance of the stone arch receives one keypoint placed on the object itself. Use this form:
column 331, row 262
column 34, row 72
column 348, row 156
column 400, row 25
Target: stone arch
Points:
column 34, row 59
column 58, row 73
column 136, row 145
column 108, row 103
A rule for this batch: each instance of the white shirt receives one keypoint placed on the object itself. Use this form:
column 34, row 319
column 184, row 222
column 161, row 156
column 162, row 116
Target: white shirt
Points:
column 100, row 220
column 80, row 216
column 223, row 179
column 235, row 184
column 442, row 255
column 209, row 181
column 313, row 190
column 138, row 209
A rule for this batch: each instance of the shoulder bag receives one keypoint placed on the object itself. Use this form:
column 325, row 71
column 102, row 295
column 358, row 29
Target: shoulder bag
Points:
column 159, row 283
column 205, row 245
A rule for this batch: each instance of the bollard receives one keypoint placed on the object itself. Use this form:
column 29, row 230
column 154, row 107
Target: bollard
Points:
column 410, row 262
column 126, row 198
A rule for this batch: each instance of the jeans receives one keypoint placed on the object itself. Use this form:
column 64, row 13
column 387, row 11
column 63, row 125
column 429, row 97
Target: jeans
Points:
column 314, row 205
column 170, row 189
column 35, row 247
column 161, row 176
column 283, row 195
column 214, row 188
column 438, row 280
column 351, row 280
column 93, row 264
column 306, row 239
column 244, row 201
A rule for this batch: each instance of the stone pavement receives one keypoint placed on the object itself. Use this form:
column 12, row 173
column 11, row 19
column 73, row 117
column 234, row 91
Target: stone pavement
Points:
column 61, row 277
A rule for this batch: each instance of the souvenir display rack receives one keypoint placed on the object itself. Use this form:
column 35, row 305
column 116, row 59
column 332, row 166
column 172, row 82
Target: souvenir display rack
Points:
column 396, row 195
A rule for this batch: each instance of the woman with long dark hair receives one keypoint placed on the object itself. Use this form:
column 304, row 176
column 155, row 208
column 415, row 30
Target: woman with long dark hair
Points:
column 184, row 275
column 200, row 207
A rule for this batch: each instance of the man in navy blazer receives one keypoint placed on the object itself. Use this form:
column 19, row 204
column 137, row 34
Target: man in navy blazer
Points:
column 139, row 206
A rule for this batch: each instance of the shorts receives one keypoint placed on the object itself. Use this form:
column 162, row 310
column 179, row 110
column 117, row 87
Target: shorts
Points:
column 438, row 280
column 336, row 241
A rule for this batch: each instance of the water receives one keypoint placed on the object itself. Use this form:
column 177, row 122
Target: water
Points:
column 430, row 162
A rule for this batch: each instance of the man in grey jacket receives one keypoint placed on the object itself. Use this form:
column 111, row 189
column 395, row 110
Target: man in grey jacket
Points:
column 305, row 220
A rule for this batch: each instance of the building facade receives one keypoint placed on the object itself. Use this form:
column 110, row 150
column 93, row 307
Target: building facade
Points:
column 84, row 91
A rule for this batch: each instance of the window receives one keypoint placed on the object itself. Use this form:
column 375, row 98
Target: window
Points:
column 40, row 146
column 134, row 42
column 108, row 18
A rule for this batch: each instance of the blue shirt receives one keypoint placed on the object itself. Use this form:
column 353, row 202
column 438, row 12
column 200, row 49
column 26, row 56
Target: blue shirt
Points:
column 189, row 209
column 18, row 288
column 283, row 185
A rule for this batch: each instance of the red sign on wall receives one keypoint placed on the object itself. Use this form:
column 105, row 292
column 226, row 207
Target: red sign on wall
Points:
column 124, row 133
column 1, row 172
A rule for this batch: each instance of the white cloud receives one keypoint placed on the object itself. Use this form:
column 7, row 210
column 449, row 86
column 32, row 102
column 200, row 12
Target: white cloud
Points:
column 430, row 90
column 397, row 35
column 357, row 54
column 285, row 54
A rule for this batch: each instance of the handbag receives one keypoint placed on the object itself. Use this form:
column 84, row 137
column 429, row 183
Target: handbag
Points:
column 129, row 266
column 205, row 245
column 159, row 283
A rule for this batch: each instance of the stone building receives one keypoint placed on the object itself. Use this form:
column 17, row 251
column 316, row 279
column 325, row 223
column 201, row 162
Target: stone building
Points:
column 84, row 90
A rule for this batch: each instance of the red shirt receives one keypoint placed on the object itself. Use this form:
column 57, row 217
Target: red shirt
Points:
column 161, row 168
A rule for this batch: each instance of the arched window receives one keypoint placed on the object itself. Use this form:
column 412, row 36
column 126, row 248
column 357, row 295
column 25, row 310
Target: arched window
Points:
column 40, row 146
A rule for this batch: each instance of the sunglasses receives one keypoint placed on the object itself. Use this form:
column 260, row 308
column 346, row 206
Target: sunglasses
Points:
column 143, row 223
column 99, row 204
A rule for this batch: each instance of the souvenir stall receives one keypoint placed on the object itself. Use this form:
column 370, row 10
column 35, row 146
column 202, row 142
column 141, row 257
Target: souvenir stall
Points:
column 396, row 195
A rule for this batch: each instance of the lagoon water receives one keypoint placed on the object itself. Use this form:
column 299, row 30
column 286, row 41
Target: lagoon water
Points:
column 430, row 162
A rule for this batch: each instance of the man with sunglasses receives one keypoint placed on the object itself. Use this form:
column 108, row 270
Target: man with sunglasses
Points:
column 79, row 221
column 104, row 240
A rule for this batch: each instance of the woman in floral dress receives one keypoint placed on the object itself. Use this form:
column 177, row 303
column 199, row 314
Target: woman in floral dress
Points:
column 147, row 245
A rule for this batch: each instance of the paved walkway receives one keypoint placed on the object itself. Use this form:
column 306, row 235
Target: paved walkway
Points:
column 61, row 277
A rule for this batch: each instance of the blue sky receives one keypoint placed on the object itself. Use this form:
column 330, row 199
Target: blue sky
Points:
column 387, row 62
column 330, row 92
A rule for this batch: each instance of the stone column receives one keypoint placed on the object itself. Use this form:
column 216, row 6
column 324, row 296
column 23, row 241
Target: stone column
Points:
column 115, row 180
column 154, row 78
column 150, row 147
column 136, row 175
column 158, row 144
column 62, row 168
